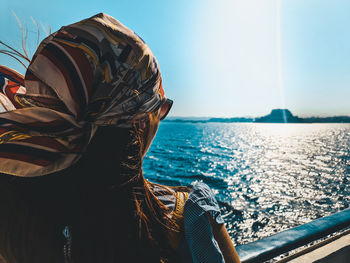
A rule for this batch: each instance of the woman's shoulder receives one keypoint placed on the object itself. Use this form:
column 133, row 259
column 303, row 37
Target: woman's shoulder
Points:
column 199, row 197
column 201, row 201
column 201, row 191
column 198, row 192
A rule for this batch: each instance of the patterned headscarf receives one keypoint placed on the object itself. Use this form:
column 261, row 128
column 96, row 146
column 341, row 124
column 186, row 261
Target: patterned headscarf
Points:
column 96, row 72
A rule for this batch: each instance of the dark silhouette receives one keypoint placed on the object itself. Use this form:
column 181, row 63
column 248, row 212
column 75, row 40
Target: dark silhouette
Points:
column 279, row 116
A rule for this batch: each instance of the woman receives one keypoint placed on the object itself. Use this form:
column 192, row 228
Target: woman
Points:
column 72, row 140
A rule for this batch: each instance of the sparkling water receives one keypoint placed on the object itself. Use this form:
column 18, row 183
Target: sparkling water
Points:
column 266, row 177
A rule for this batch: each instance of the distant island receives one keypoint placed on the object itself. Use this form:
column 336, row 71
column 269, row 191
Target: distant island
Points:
column 276, row 116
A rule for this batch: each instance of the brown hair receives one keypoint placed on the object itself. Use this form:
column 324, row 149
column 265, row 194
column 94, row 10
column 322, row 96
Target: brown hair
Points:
column 109, row 206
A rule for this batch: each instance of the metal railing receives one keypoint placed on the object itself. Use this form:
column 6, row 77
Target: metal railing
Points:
column 277, row 244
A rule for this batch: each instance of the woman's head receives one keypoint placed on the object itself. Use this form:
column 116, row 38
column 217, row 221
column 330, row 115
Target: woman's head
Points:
column 91, row 74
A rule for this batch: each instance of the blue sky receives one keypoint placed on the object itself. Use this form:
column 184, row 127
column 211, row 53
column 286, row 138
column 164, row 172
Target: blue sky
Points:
column 224, row 57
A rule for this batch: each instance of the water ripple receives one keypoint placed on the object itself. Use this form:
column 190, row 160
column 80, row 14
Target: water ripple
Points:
column 267, row 177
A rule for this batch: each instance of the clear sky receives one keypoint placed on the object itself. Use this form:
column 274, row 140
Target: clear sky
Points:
column 223, row 57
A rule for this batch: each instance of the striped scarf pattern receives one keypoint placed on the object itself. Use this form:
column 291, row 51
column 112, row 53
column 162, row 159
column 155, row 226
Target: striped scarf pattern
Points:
column 96, row 72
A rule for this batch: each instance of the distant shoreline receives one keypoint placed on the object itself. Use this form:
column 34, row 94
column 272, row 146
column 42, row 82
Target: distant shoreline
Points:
column 224, row 120
column 276, row 116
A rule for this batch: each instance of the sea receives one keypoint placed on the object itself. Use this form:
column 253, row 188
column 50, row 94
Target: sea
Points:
column 266, row 177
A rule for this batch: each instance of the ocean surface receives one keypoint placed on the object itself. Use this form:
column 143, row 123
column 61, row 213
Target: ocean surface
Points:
column 266, row 177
